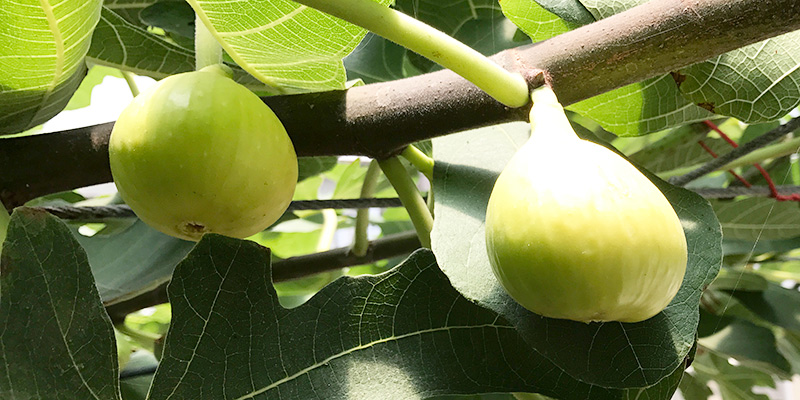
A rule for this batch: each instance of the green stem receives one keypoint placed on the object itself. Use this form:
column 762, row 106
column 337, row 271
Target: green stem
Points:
column 330, row 222
column 361, row 241
column 430, row 200
column 207, row 50
column 507, row 87
column 4, row 220
column 766, row 153
column 131, row 83
column 145, row 339
column 421, row 217
column 424, row 164
column 418, row 159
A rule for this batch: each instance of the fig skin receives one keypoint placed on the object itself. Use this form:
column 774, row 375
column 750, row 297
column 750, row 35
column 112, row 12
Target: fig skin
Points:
column 574, row 231
column 199, row 153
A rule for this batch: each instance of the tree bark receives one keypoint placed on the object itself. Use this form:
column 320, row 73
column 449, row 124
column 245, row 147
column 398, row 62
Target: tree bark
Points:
column 380, row 119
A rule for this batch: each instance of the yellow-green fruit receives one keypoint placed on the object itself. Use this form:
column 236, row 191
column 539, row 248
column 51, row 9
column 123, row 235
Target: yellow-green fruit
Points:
column 200, row 153
column 574, row 231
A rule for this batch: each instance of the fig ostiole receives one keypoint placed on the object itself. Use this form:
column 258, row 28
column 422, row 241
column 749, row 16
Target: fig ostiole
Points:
column 574, row 231
column 199, row 153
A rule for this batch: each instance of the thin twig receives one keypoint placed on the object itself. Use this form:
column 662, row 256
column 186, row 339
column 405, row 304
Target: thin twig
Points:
column 740, row 151
column 360, row 238
column 96, row 213
column 99, row 213
column 292, row 268
column 730, row 192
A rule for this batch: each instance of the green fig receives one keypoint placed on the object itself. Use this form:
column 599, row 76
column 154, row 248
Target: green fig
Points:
column 574, row 231
column 199, row 153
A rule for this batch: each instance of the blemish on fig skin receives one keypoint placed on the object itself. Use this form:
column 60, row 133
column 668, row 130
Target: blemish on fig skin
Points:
column 707, row 106
column 193, row 229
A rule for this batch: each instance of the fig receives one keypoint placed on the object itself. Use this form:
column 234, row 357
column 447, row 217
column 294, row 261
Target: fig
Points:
column 574, row 231
column 199, row 153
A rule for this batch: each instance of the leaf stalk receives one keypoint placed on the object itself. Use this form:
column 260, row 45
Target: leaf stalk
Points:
column 410, row 197
column 506, row 87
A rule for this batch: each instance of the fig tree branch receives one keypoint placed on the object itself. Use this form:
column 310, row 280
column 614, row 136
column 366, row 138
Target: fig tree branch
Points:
column 379, row 120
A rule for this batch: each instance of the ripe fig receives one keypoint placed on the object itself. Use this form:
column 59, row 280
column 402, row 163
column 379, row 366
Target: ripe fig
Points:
column 574, row 231
column 199, row 153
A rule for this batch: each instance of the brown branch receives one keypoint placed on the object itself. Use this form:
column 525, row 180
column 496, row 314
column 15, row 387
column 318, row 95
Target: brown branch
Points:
column 379, row 119
column 291, row 268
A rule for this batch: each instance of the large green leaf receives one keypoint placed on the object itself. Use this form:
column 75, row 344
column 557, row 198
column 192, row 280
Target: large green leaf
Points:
column 748, row 343
column 120, row 44
column 756, row 83
column 757, row 218
column 541, row 23
column 136, row 386
column 694, row 389
column 284, row 44
column 640, row 108
column 405, row 334
column 776, row 305
column 610, row 354
column 133, row 261
column 130, row 9
column 56, row 340
column 313, row 166
column 735, row 382
column 743, row 246
column 680, row 148
column 376, row 60
column 572, row 11
column 603, row 9
column 41, row 58
column 739, row 279
column 174, row 17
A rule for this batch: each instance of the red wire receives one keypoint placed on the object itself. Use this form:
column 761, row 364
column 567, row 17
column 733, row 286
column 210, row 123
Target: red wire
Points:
column 722, row 134
column 773, row 190
column 730, row 171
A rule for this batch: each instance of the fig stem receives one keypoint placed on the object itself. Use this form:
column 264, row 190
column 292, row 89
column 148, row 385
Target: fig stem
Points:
column 419, row 160
column 361, row 240
column 412, row 200
column 207, row 51
column 506, row 87
column 129, row 79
